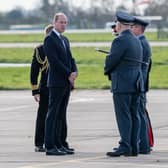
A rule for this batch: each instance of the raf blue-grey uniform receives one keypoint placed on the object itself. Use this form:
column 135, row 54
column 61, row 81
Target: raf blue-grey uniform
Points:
column 127, row 84
column 144, row 138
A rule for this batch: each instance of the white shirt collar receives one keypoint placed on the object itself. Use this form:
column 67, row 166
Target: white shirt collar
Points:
column 57, row 33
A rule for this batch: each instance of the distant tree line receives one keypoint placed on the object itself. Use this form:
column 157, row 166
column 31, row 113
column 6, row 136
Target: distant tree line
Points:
column 99, row 12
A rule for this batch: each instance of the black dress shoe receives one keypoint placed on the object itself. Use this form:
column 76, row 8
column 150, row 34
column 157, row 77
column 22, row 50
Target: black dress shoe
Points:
column 39, row 149
column 115, row 148
column 134, row 154
column 118, row 153
column 144, row 152
column 64, row 149
column 54, row 151
column 71, row 149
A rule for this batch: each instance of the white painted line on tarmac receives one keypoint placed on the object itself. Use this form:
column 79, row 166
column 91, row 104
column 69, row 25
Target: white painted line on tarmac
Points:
column 90, row 100
column 14, row 108
column 83, row 100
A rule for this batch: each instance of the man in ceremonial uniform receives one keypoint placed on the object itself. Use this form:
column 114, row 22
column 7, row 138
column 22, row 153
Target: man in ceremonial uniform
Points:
column 39, row 66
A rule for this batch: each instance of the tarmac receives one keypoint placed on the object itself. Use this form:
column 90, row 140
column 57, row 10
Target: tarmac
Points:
column 92, row 131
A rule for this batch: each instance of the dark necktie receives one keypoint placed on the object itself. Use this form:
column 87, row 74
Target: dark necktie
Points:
column 63, row 42
column 64, row 45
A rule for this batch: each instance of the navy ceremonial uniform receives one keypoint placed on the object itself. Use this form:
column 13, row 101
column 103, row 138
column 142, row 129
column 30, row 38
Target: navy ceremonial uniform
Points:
column 40, row 65
column 124, row 68
column 61, row 64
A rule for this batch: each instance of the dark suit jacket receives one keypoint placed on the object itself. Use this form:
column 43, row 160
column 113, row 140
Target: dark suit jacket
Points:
column 126, row 75
column 146, row 58
column 39, row 63
column 61, row 62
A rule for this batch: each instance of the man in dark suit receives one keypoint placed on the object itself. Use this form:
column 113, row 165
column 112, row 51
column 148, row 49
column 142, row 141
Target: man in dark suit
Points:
column 138, row 29
column 39, row 67
column 62, row 74
column 123, row 65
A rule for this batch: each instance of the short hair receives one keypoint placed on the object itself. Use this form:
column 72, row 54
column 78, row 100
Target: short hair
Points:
column 48, row 28
column 57, row 15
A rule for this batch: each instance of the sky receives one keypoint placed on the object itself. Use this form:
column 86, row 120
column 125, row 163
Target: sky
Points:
column 7, row 5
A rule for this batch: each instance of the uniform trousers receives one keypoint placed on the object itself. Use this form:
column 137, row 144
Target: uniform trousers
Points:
column 144, row 138
column 128, row 120
column 40, row 120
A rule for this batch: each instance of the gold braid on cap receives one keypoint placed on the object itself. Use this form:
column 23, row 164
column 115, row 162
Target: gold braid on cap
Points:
column 40, row 61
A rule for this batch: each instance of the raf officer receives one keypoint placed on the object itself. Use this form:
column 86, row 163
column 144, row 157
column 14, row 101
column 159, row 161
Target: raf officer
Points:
column 138, row 29
column 61, row 78
column 39, row 67
column 123, row 65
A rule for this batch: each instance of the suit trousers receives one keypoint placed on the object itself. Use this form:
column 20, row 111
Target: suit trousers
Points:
column 56, row 122
column 127, row 115
column 40, row 120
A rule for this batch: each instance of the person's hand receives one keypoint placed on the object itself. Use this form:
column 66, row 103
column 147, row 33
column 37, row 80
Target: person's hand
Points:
column 74, row 75
column 37, row 97
column 72, row 78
